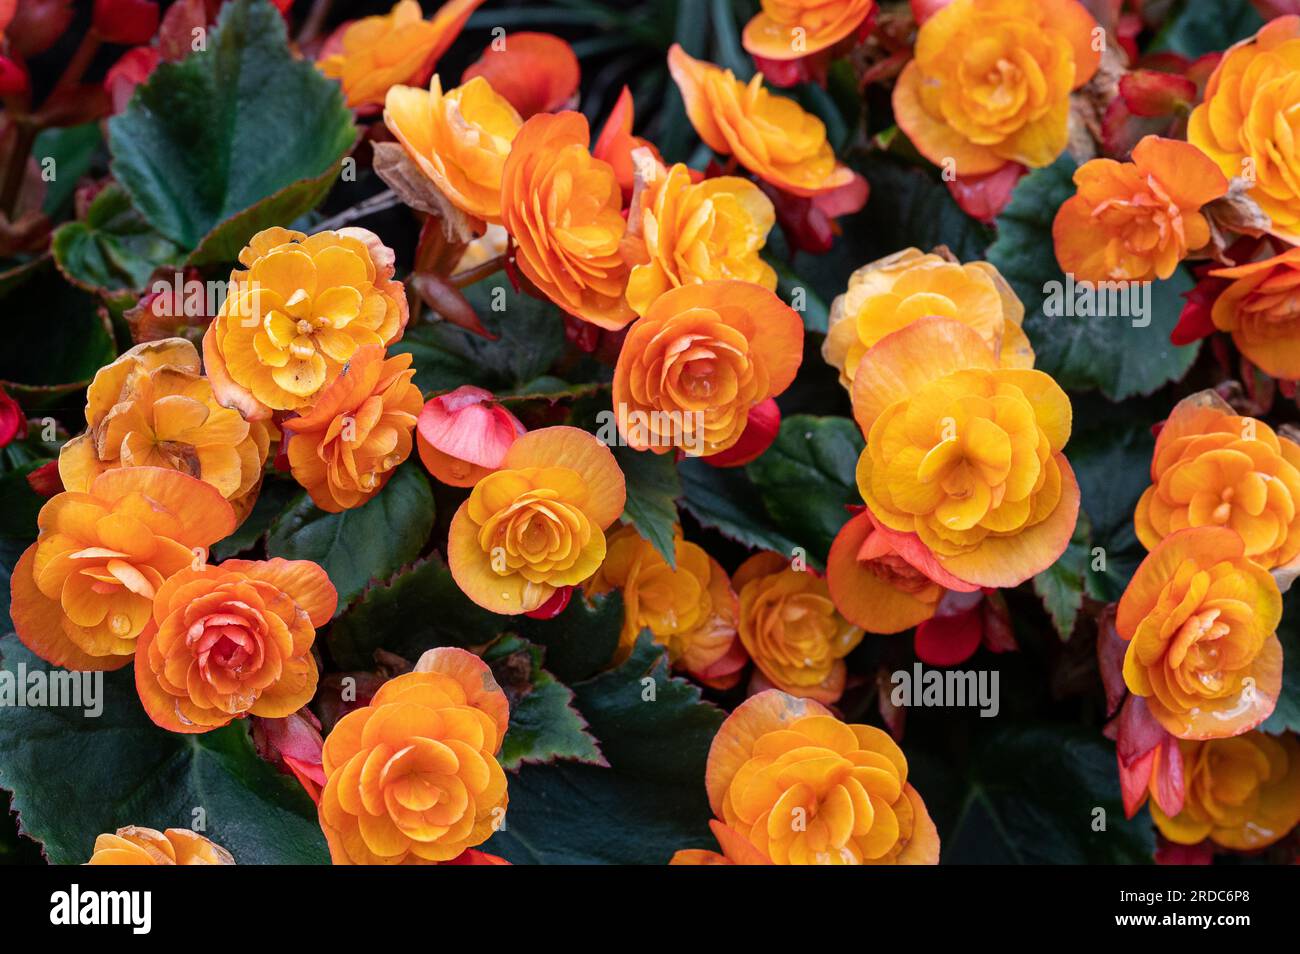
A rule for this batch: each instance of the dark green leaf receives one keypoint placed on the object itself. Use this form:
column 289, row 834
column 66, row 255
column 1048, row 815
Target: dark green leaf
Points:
column 1034, row 799
column 72, row 149
column 1112, row 465
column 1208, row 26
column 75, row 776
column 1286, row 717
column 1061, row 585
column 652, row 491
column 208, row 138
column 75, row 339
column 273, row 497
column 1123, row 353
column 806, row 478
column 531, row 338
column 370, row 542
column 544, row 726
column 725, row 500
column 113, row 249
column 419, row 608
column 580, row 641
column 655, row 731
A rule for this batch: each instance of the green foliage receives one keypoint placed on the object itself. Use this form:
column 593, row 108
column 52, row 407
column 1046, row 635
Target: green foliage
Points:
column 655, row 732
column 74, row 776
column 653, row 487
column 208, row 139
column 806, row 478
column 370, row 542
column 113, row 249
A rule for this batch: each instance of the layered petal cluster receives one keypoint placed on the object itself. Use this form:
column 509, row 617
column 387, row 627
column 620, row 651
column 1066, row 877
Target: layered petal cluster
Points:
column 460, row 140
column 296, row 315
column 804, row 788
column 791, row 629
column 369, row 55
column 564, row 209
column 232, row 640
column 791, row 29
column 1201, row 619
column 1135, row 221
column 991, row 81
column 1215, row 468
column 346, row 446
column 736, row 850
column 1242, row 793
column 691, row 610
column 413, row 776
column 1239, row 124
column 699, row 231
column 771, row 136
column 1261, row 310
column 885, row 581
column 892, row 292
column 704, row 354
column 134, row 845
column 964, row 454
column 83, row 593
column 463, row 435
column 535, row 72
column 152, row 407
column 538, row 523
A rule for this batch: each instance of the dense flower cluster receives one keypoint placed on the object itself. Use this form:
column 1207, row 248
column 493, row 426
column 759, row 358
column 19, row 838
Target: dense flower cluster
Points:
column 677, row 491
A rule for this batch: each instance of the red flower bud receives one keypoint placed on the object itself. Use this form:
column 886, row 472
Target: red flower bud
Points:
column 464, row 434
column 13, row 423
column 534, row 72
column 128, row 22
column 13, row 77
column 758, row 435
column 45, row 480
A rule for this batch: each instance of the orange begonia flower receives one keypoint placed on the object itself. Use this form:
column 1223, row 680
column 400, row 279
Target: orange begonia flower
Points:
column 965, row 454
column 347, row 446
column 702, row 356
column 83, row 592
column 463, row 435
column 232, row 640
column 1200, row 617
column 892, row 292
column 537, row 524
column 1261, row 310
column 152, row 407
column 697, row 232
column 769, row 135
column 297, row 315
column 460, row 140
column 134, row 845
column 413, row 776
column 791, row 629
column 991, row 81
column 1238, row 126
column 535, row 72
column 1135, row 221
column 1212, row 467
column 563, row 208
column 805, row 788
column 736, row 850
column 369, row 55
column 1242, row 793
column 690, row 610
column 882, row 580
column 791, row 29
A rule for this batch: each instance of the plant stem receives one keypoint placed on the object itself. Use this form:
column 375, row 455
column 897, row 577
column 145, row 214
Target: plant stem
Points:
column 478, row 272
column 316, row 17
column 376, row 203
